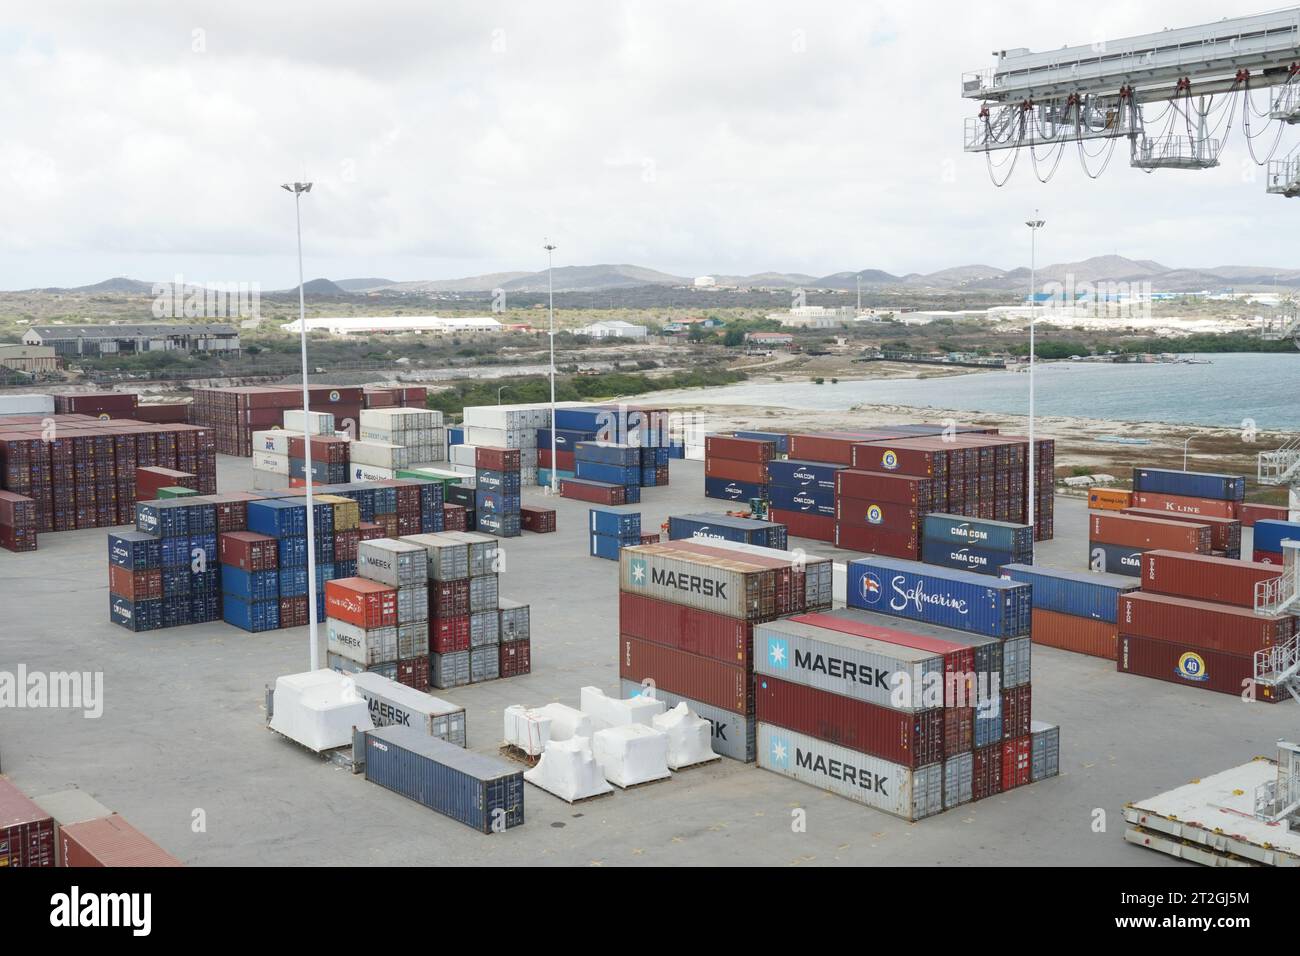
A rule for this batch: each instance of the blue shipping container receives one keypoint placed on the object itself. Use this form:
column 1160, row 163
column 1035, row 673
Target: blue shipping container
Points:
column 292, row 583
column 607, row 453
column 201, row 517
column 728, row 490
column 793, row 473
column 175, row 552
column 1091, row 594
column 1192, row 484
column 175, row 582
column 278, row 518
column 947, row 554
column 565, row 439
column 165, row 518
column 504, row 482
column 1015, row 539
column 250, row 615
column 744, row 530
column 1270, row 533
column 607, row 545
column 611, row 474
column 544, row 476
column 505, row 525
column 491, row 502
column 782, row 440
column 134, row 550
column 481, row 792
column 455, row 436
column 942, row 596
column 135, row 615
column 292, row 551
column 251, row 585
column 618, row 521
column 632, row 494
column 817, row 501
column 1115, row 558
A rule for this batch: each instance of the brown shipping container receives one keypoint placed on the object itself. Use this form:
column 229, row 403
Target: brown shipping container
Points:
column 877, row 486
column 601, row 493
column 362, row 602
column 902, row 456
column 1190, row 665
column 1182, row 504
column 1221, row 627
column 497, row 459
column 751, row 471
column 109, row 841
column 1082, row 635
column 248, row 550
column 26, row 831
column 739, row 449
column 514, row 658
column 135, row 585
column 1109, row 499
column 1204, row 577
column 725, row 686
column 1250, row 512
column 705, row 633
column 871, row 540
column 1016, row 705
column 912, row 740
column 537, row 520
column 803, row 525
column 882, row 515
column 1225, row 533
column 987, row 772
column 1106, row 527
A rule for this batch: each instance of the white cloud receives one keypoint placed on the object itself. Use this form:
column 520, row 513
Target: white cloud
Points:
column 695, row 138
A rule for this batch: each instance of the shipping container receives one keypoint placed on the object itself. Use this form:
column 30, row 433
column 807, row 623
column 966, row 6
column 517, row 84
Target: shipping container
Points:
column 885, row 488
column 1109, row 499
column 393, row 704
column 1017, row 762
column 1082, row 635
column 392, row 562
column 800, row 525
column 1220, row 627
column 721, row 685
column 26, row 831
column 367, row 646
column 451, row 669
column 987, row 772
column 779, row 439
column 963, row 557
column 1270, row 534
column 1184, row 505
column 872, row 540
column 739, row 449
column 361, row 602
column 1186, row 662
column 731, row 588
column 514, row 658
column 1249, row 512
column 1115, row 559
column 1108, row 527
column 481, row 792
column 1204, row 577
column 1089, row 594
column 598, row 492
column 248, row 551
column 619, row 521
column 891, row 517
column 1190, row 484
column 754, row 472
column 536, row 519
column 802, row 500
column 1046, row 749
column 723, row 527
column 818, row 573
column 728, row 490
column 806, row 475
column 958, row 779
column 877, row 783
column 834, row 447
column 991, row 536
column 109, row 841
column 957, row 599
column 698, row 632
column 1225, row 533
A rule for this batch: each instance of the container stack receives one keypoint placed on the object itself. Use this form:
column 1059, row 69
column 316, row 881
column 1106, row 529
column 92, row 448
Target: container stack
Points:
column 1194, row 623
column 515, row 651
column 184, row 538
column 418, row 430
column 881, row 512
column 537, row 519
column 26, row 831
column 724, row 527
column 973, row 544
column 780, row 439
column 686, row 624
column 654, row 466
column 464, row 495
column 484, row 596
column 1269, row 535
column 1225, row 533
column 1117, row 541
column 498, row 486
column 736, row 469
column 135, row 580
column 1074, row 610
column 364, row 640
column 448, row 567
column 17, row 522
column 285, row 520
column 250, row 581
column 612, row 529
column 564, row 465
column 510, row 426
column 801, row 495
column 98, row 404
column 611, row 464
column 233, row 414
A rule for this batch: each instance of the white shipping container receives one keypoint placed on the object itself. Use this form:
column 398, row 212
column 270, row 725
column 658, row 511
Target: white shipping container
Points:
column 393, row 704
column 502, row 437
column 528, row 416
column 395, row 563
column 888, row 675
column 703, row 582
column 378, row 645
column 910, row 794
column 269, row 481
column 400, row 419
column 369, row 473
column 958, row 780
column 463, row 455
column 465, row 471
column 275, row 441
column 26, row 404
column 270, row 462
column 448, row 556
column 379, row 454
column 311, row 423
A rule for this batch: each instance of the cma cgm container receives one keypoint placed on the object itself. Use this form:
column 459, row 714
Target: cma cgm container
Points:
column 1105, row 527
column 793, row 473
column 1204, row 577
column 1221, row 627
column 481, row 792
column 26, row 831
column 1090, row 594
column 727, row 528
column 979, row 560
column 1270, row 534
column 1190, row 484
column 1187, row 663
column 956, row 599
column 728, row 489
column 880, row 784
column 1115, row 559
column 731, row 735
column 109, row 841
column 960, row 530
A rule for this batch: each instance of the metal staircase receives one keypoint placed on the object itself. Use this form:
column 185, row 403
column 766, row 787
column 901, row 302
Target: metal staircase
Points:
column 1278, row 800
column 1280, row 467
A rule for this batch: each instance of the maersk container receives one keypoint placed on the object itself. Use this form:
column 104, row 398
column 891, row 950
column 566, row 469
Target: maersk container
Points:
column 728, row 490
column 1115, row 559
column 1191, row 484
column 949, row 598
column 958, row 780
column 448, row 556
column 391, row 562
column 1270, row 534
column 818, row 572
column 888, row 675
column 607, row 453
column 1091, row 594
column 881, row 784
column 979, row 533
column 376, row 645
column 1046, row 750
column 481, row 792
column 618, row 521
column 946, row 554
column 731, row 735
column 731, row 588
column 780, row 439
column 816, row 501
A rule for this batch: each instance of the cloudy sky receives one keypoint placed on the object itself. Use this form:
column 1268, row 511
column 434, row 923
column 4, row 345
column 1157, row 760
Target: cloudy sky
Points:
column 147, row 138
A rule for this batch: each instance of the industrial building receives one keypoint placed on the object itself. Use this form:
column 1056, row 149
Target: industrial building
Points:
column 95, row 340
column 613, row 329
column 396, row 325
column 29, row 358
column 813, row 317
column 769, row 339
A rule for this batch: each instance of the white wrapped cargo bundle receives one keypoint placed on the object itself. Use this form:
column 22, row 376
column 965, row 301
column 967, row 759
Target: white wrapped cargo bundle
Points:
column 616, row 712
column 318, row 709
column 631, row 754
column 311, row 423
column 569, row 770
column 688, row 737
column 529, row 729
column 380, row 454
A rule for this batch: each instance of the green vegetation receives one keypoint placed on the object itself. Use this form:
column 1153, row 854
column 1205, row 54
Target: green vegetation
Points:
column 572, row 388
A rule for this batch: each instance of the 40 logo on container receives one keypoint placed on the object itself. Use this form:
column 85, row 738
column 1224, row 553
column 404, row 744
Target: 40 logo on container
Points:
column 871, row 587
column 875, row 514
column 778, row 653
column 1191, row 666
column 889, row 460
column 638, row 571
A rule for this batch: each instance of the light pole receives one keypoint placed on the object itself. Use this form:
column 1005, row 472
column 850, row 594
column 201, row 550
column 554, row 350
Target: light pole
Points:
column 1185, row 443
column 298, row 189
column 550, row 295
column 1034, row 225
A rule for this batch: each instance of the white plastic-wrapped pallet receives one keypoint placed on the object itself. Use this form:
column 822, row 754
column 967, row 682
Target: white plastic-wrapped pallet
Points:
column 530, row 729
column 631, row 754
column 569, row 770
column 616, row 712
column 318, row 709
column 688, row 737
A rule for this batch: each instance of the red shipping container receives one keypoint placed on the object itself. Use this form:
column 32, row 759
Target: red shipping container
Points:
column 725, row 686
column 164, row 413
column 1182, row 504
column 833, row 447
column 650, row 538
column 109, row 841
column 448, row 598
column 1204, row 577
column 1191, row 665
column 380, row 398
column 26, row 831
column 704, row 633
column 324, row 448
column 294, row 611
column 1250, row 513
column 1017, row 762
column 449, row 634
column 1082, row 635
column 877, row 486
column 370, row 530
column 907, row 456
column 1267, row 557
column 912, row 740
column 362, row 602
column 135, row 585
column 17, row 539
column 1108, row 527
column 514, row 658
column 1016, row 704
column 566, row 459
column 1220, row 627
column 881, row 515
column 800, row 524
column 149, row 479
column 496, row 459
column 535, row 519
column 453, row 518
column 414, row 672
column 872, row 540
column 987, row 772
column 248, row 550
column 596, row 492
column 1225, row 533
column 754, row 472
column 739, row 449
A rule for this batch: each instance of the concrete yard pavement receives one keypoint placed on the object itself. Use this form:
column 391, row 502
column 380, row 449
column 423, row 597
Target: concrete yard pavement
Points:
column 182, row 738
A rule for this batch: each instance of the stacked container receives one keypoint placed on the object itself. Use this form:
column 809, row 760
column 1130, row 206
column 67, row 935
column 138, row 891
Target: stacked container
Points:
column 515, row 650
column 190, row 575
column 880, row 512
column 399, row 652
column 448, row 564
column 1074, row 610
column 1117, row 541
column 233, row 414
column 17, row 522
column 610, row 463
column 498, row 488
column 723, row 527
column 26, row 831
column 611, row 529
column 250, row 580
column 737, row 468
column 1269, row 535
column 974, row 544
column 418, row 430
column 361, row 625
column 801, row 495
column 1225, row 533
column 510, row 426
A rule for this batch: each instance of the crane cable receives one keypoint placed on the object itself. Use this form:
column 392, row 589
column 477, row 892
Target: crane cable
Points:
column 1250, row 139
